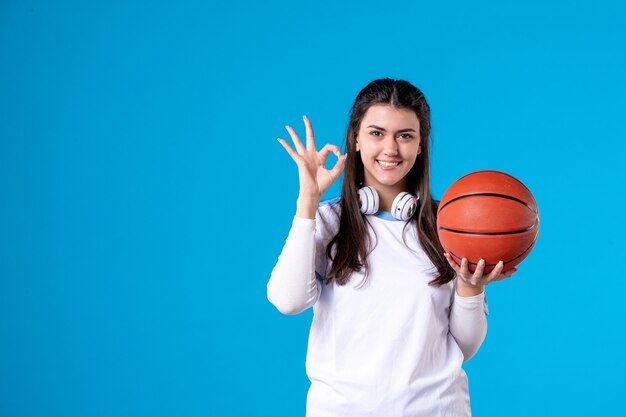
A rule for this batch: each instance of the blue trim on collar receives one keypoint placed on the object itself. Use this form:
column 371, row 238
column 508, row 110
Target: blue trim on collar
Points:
column 385, row 215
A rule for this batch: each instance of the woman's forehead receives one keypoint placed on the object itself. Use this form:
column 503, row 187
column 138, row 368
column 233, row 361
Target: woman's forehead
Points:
column 387, row 116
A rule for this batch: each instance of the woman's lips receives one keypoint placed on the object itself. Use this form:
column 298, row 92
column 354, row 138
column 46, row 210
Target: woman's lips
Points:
column 388, row 165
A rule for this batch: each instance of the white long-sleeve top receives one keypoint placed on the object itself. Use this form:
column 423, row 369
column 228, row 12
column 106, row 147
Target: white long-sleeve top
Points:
column 392, row 345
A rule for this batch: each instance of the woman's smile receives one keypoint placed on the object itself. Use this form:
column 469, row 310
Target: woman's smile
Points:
column 388, row 165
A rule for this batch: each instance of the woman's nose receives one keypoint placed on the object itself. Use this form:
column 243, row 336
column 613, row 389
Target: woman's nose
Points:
column 391, row 147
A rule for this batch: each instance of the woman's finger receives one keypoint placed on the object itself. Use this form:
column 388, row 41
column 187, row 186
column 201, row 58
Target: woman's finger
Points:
column 452, row 263
column 338, row 166
column 310, row 140
column 496, row 271
column 464, row 268
column 294, row 155
column 478, row 272
column 506, row 274
column 325, row 151
column 296, row 140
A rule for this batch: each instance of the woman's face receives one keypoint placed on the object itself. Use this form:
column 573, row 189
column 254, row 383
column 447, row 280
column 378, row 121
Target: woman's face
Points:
column 389, row 142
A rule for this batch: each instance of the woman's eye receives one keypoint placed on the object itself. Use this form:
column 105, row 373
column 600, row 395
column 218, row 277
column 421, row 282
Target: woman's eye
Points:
column 406, row 136
column 375, row 133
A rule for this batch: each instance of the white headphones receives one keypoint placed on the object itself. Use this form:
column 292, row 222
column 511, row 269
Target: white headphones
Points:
column 402, row 208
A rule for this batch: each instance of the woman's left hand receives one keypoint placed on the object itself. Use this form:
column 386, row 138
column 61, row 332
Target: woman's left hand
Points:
column 473, row 283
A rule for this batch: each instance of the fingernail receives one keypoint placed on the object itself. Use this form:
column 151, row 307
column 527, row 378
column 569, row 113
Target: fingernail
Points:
column 481, row 262
column 304, row 116
column 500, row 263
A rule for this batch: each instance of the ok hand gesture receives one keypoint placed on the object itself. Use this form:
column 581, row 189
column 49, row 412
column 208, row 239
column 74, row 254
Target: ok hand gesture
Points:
column 315, row 179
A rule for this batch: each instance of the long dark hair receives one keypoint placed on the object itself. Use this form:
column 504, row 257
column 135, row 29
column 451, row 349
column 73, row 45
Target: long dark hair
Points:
column 352, row 241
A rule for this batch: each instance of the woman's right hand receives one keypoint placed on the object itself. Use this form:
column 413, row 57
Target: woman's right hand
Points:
column 315, row 179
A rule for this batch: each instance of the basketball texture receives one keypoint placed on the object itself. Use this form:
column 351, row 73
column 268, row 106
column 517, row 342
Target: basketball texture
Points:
column 489, row 215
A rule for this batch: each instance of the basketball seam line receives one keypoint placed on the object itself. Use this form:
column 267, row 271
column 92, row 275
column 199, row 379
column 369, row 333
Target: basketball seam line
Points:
column 528, row 229
column 504, row 262
column 487, row 195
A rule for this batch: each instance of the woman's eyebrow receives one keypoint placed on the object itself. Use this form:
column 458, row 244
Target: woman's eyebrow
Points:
column 401, row 130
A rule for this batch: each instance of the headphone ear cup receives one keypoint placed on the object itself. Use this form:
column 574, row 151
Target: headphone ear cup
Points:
column 404, row 206
column 368, row 200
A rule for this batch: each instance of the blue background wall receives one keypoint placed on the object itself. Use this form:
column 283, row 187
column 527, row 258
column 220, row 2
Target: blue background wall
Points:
column 144, row 199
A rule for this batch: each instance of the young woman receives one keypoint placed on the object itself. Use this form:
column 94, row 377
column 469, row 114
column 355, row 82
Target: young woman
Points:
column 394, row 316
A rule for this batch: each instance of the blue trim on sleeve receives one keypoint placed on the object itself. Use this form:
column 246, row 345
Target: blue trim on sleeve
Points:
column 486, row 305
column 330, row 201
column 319, row 277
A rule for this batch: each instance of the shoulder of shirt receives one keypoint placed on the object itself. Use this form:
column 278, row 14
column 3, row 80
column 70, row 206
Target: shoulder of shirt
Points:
column 330, row 202
column 330, row 206
column 328, row 215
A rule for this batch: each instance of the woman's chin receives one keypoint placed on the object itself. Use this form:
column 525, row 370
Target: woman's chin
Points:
column 386, row 181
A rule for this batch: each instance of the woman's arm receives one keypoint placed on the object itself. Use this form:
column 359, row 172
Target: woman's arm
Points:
column 292, row 287
column 468, row 322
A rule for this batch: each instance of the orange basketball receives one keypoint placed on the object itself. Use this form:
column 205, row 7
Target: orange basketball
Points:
column 489, row 215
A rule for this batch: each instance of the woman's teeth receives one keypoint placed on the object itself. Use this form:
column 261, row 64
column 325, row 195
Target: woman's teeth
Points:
column 388, row 164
